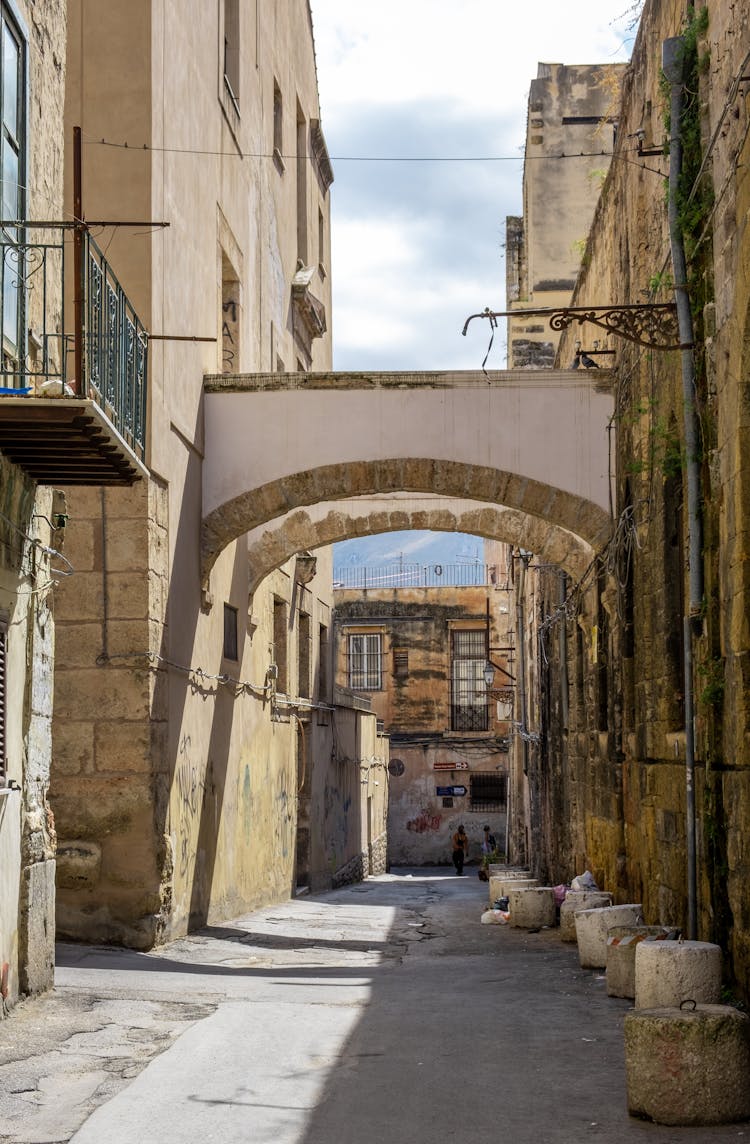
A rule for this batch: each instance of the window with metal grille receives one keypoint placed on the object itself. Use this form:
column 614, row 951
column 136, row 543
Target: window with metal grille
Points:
column 366, row 662
column 3, row 681
column 488, row 792
column 469, row 711
column 400, row 662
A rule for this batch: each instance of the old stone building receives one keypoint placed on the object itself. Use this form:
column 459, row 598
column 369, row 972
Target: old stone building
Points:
column 570, row 126
column 56, row 430
column 420, row 654
column 641, row 768
column 195, row 774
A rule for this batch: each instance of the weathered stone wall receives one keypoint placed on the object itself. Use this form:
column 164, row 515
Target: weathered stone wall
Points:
column 618, row 768
column 28, row 543
column 570, row 112
column 179, row 767
column 27, row 831
column 415, row 706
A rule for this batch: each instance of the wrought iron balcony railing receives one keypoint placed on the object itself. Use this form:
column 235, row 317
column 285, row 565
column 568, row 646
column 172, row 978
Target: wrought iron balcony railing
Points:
column 38, row 339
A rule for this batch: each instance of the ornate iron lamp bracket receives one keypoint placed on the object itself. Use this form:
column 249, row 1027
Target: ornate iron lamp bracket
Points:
column 650, row 324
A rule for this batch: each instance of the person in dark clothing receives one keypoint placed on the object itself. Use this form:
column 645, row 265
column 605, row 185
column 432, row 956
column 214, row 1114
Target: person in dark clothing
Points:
column 460, row 849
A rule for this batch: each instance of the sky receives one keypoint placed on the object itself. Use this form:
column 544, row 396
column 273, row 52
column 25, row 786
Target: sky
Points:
column 419, row 246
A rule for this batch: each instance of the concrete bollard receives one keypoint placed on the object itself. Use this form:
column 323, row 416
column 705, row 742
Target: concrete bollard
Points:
column 686, row 1066
column 505, row 885
column 532, row 907
column 670, row 972
column 592, row 927
column 579, row 900
column 500, row 883
column 622, row 942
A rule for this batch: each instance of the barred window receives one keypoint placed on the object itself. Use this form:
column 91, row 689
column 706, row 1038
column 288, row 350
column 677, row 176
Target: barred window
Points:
column 400, row 663
column 469, row 711
column 366, row 661
column 488, row 791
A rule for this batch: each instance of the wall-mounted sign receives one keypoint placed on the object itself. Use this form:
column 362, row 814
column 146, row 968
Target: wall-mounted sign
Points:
column 396, row 767
column 450, row 791
column 450, row 766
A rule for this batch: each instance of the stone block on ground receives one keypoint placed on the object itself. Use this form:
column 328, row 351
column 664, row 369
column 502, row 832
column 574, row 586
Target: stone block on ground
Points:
column 532, row 907
column 579, row 900
column 622, row 943
column 670, row 972
column 592, row 929
column 688, row 1067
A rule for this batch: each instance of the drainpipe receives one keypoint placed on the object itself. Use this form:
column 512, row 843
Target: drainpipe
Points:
column 672, row 64
column 564, row 708
column 522, row 660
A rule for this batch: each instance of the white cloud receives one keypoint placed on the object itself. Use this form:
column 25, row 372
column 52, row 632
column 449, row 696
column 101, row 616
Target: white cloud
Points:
column 418, row 246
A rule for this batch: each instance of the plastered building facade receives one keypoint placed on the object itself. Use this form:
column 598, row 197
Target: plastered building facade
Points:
column 194, row 773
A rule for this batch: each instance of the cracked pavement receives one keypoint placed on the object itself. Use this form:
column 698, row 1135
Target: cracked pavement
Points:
column 383, row 1010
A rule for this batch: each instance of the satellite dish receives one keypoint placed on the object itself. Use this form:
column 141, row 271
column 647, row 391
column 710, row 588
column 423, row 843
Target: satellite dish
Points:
column 396, row 767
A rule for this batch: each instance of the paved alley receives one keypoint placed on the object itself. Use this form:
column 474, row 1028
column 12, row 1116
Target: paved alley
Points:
column 380, row 1012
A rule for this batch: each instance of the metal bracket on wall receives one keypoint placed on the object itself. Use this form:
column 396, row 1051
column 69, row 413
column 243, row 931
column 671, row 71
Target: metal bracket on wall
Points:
column 650, row 324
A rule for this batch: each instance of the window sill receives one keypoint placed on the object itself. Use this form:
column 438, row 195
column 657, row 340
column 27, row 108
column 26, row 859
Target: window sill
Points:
column 6, row 790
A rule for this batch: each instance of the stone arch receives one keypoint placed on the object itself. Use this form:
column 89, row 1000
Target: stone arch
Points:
column 269, row 548
column 454, row 479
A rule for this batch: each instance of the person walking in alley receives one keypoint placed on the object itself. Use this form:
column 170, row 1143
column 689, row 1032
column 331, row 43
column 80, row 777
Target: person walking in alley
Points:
column 460, row 849
column 489, row 843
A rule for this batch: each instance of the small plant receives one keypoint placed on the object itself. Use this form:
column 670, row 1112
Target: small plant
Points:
column 712, row 676
column 662, row 280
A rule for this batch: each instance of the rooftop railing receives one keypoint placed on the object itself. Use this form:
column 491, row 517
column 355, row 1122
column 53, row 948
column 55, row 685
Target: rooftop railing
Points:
column 468, row 575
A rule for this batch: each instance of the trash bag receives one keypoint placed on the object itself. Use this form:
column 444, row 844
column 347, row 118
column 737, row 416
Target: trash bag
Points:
column 495, row 918
column 584, row 881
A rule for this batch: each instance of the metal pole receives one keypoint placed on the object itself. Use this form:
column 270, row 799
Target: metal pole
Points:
column 672, row 64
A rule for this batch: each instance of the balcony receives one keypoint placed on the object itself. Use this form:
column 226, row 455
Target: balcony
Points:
column 72, row 404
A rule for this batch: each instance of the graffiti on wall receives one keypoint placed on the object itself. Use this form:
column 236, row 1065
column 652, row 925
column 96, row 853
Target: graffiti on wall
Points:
column 424, row 822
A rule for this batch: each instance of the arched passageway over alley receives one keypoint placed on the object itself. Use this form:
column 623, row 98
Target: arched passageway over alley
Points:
column 531, row 442
column 270, row 545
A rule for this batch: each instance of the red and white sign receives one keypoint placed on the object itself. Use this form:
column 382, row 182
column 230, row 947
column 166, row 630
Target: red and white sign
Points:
column 450, row 766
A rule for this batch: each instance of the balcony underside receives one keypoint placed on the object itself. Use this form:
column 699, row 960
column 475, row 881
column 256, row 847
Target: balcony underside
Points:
column 65, row 441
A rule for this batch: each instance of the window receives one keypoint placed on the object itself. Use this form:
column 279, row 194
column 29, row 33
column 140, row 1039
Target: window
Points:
column 230, row 633
column 278, row 128
column 365, row 662
column 3, row 708
column 488, row 792
column 230, row 317
column 322, row 662
column 232, row 50
column 302, row 238
column 469, row 711
column 280, row 644
column 400, row 662
column 321, row 243
column 303, row 656
column 12, row 168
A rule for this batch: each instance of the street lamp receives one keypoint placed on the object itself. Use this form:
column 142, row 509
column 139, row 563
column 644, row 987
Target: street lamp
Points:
column 489, row 673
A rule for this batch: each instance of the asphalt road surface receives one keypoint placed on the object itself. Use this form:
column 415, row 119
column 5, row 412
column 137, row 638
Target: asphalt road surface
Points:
column 382, row 1012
